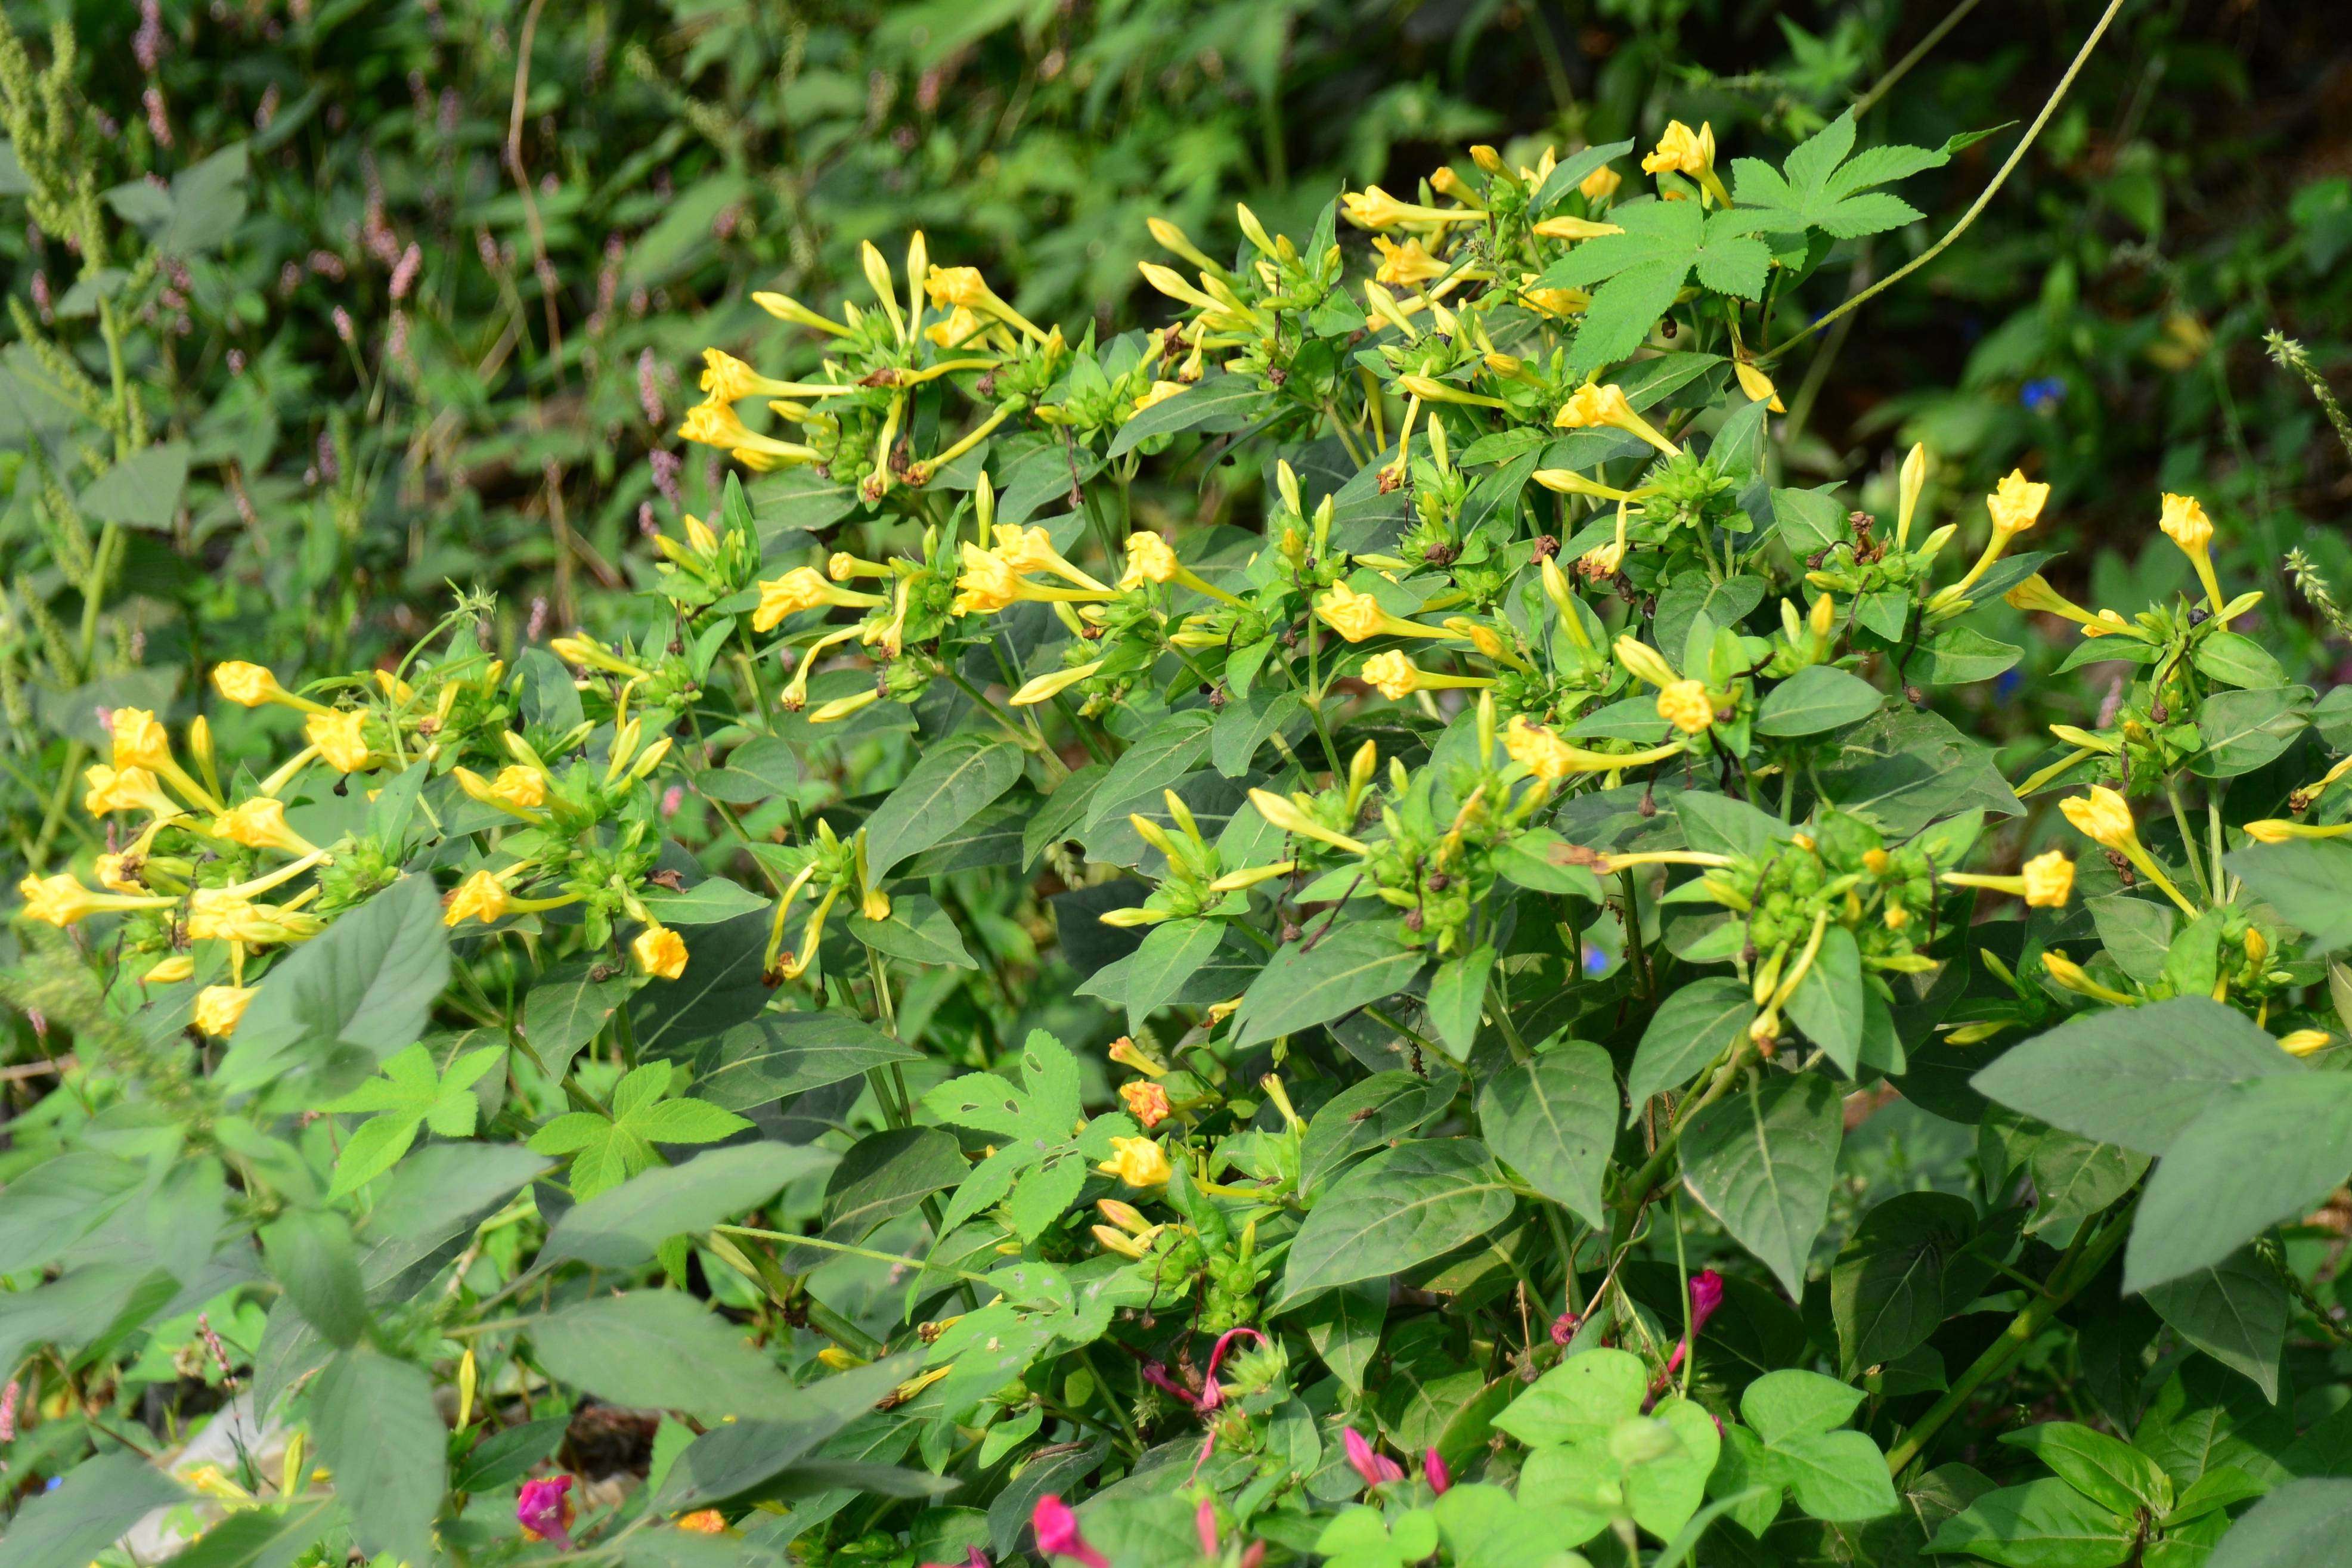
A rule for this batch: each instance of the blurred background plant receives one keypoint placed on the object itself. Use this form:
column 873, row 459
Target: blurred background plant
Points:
column 317, row 305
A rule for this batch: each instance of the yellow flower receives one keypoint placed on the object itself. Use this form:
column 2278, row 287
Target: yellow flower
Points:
column 140, row 741
column 219, row 1008
column 728, row 380
column 1407, row 265
column 1758, row 386
column 519, row 786
column 260, row 824
column 1126, row 1053
column 1685, row 705
column 703, row 1521
column 660, row 951
column 1682, row 151
column 987, row 585
column 2185, row 523
column 227, row 915
column 2104, row 818
column 1137, row 1161
column 1149, row 560
column 1394, row 675
column 2303, row 1042
column 1147, row 1102
column 1162, row 391
column 1354, row 615
column 2016, row 503
column 62, row 900
column 125, row 789
column 1044, row 687
column 1645, row 662
column 1602, row 184
column 1027, row 549
column 2049, row 879
column 1575, row 228
column 112, row 875
column 1599, row 404
column 171, row 971
column 959, row 326
column 247, row 685
column 338, row 738
column 960, row 286
column 1373, row 208
column 804, row 589
column 2278, row 830
column 1540, row 750
column 717, row 424
column 480, row 897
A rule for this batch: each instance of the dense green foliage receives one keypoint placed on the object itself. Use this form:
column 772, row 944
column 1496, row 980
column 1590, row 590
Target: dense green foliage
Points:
column 1379, row 892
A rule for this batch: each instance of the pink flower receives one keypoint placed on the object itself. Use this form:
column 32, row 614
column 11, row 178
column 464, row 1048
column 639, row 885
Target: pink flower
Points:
column 1057, row 1533
column 544, row 1510
column 975, row 1558
column 1706, row 1295
column 1204, row 1520
column 1564, row 1327
column 1213, row 1395
column 1375, row 1469
column 1434, row 1471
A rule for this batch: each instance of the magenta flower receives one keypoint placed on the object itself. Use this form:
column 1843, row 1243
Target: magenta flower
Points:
column 1564, row 1327
column 1706, row 1295
column 1434, row 1471
column 543, row 1508
column 1204, row 1520
column 975, row 1558
column 1375, row 1469
column 1213, row 1395
column 1058, row 1536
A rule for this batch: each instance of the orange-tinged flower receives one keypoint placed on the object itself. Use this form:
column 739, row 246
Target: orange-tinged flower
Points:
column 1146, row 1102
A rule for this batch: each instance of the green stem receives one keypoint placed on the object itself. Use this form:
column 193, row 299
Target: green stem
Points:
column 820, row 1242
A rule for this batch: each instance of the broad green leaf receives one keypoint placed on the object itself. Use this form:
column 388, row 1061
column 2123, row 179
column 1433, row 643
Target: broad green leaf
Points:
column 1664, row 1490
column 730, row 1460
column 1819, row 188
column 1458, row 997
column 1554, row 1121
column 1828, row 1004
column 1216, row 403
column 370, row 981
column 917, row 931
column 2134, row 1075
column 659, row 1349
column 2304, row 880
column 565, row 1010
column 1402, row 1207
column 1959, row 655
column 1819, row 697
column 2302, row 1525
column 781, row 1054
column 1302, row 986
column 54, row 1204
column 377, row 1429
column 1571, row 172
column 946, row 789
column 885, row 1174
column 2235, row 1312
column 1886, row 1289
column 1344, row 1327
column 2264, row 1152
column 2042, row 1524
column 1838, row 1476
column 1639, row 271
column 310, row 1253
column 1369, row 1112
column 1172, row 951
column 142, row 491
column 2103, row 1469
column 1810, row 522
column 442, row 1185
column 2236, row 659
column 624, row 1226
column 706, row 903
column 1793, row 1403
column 97, row 1501
column 1691, row 1028
column 1245, row 725
column 1160, row 756
column 1762, row 1164
column 1580, row 1400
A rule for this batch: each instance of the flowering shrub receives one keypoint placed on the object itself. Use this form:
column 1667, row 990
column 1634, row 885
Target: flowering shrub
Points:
column 1523, row 839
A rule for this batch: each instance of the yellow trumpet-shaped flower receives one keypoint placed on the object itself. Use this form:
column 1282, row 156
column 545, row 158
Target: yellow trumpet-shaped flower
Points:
column 1396, row 677
column 260, row 824
column 1157, row 393
column 341, row 737
column 726, row 379
column 1358, row 616
column 1645, row 662
column 169, row 971
column 1028, row 549
column 1599, row 404
column 1683, row 151
column 717, row 424
column 804, row 589
column 1909, row 484
column 115, row 789
column 1044, row 687
column 481, row 896
column 2277, row 830
column 1137, row 1161
column 1148, row 559
column 1406, row 266
column 1288, row 816
column 2070, row 975
column 1600, row 185
column 2185, row 523
column 2016, row 503
column 2105, row 818
column 251, row 685
column 62, row 900
column 1551, row 759
column 1574, row 228
column 140, row 742
column 784, row 308
column 2044, row 882
column 1685, row 705
column 1373, row 208
column 659, row 951
column 950, row 286
column 2036, row 594
column 1758, row 386
column 220, row 1008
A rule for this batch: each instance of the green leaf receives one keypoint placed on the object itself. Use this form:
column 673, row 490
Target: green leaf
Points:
column 1818, row 188
column 1402, row 1207
column 659, row 1349
column 781, row 1054
column 625, row 1226
column 1554, row 1121
column 2243, row 730
column 2262, row 1153
column 1344, row 1325
column 1828, row 1002
column 1818, row 697
column 885, row 1174
column 917, row 931
column 1810, row 522
column 1886, row 1289
column 142, row 491
column 565, row 1010
column 1838, row 1476
column 2042, row 1524
column 1302, row 986
column 1571, row 172
column 2301, row 1525
column 1378, row 1109
column 1458, row 997
column 96, row 1502
column 1960, row 655
column 1218, row 403
column 2109, row 1472
column 2304, row 880
column 2235, row 1312
column 2235, row 660
column 2134, row 1076
column 378, row 1431
column 707, row 902
column 310, row 1253
column 1691, row 1028
column 370, row 981
column 1247, row 723
column 1641, row 270
column 950, row 786
column 1580, row 1400
column 45, row 1209
column 1762, row 1164
column 1793, row 1403
column 1160, row 756
column 1172, row 951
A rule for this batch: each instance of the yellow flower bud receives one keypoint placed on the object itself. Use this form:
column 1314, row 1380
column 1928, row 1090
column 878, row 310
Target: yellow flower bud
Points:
column 1137, row 1161
column 220, row 1007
